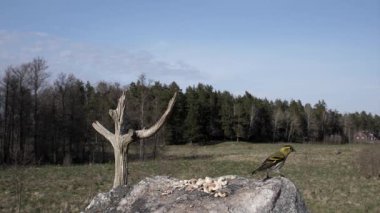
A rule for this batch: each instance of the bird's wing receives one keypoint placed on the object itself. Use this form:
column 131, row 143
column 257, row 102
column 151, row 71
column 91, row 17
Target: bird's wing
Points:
column 273, row 159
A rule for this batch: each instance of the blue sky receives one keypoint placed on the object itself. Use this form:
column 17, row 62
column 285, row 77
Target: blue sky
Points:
column 307, row 50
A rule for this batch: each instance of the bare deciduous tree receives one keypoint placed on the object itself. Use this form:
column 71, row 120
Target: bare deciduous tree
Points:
column 120, row 142
column 143, row 96
column 37, row 77
column 277, row 118
column 311, row 126
column 21, row 76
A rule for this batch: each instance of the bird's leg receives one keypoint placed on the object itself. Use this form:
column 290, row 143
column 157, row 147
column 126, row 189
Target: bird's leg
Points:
column 267, row 177
column 279, row 173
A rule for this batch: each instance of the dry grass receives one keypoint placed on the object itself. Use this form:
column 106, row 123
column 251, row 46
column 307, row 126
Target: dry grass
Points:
column 369, row 161
column 327, row 176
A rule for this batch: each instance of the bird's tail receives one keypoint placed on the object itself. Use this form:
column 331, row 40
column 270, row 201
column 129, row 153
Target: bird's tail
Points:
column 254, row 171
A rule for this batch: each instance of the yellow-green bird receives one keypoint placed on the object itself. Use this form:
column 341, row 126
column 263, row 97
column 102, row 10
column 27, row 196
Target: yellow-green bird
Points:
column 275, row 161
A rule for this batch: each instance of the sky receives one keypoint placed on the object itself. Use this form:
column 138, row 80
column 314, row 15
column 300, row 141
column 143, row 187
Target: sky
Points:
column 294, row 49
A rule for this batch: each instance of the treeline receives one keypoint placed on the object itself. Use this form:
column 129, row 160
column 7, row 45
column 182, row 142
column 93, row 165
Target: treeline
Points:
column 49, row 121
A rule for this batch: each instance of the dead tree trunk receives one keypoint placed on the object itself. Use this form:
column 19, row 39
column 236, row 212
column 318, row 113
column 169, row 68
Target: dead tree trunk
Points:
column 120, row 142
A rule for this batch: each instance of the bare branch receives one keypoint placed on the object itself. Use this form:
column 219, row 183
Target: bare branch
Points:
column 121, row 143
column 146, row 133
column 120, row 108
column 103, row 131
column 118, row 113
column 113, row 114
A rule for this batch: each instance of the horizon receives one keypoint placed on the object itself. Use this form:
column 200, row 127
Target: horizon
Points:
column 294, row 50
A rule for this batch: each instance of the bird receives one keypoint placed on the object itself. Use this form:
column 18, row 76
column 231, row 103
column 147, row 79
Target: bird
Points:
column 275, row 161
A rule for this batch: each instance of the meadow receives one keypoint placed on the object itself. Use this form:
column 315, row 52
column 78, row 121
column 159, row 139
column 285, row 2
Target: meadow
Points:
column 326, row 175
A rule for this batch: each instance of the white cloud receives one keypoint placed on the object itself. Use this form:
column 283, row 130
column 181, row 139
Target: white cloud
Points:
column 276, row 75
column 89, row 61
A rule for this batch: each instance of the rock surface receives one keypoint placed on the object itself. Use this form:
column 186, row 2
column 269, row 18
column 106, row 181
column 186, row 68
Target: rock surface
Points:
column 165, row 194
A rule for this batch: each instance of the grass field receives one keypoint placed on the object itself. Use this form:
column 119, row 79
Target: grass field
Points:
column 325, row 174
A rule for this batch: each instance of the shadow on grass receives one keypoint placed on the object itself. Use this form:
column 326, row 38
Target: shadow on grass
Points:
column 135, row 157
column 190, row 157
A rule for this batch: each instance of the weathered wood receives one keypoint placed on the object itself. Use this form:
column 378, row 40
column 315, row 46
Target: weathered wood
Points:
column 120, row 142
column 103, row 131
column 146, row 133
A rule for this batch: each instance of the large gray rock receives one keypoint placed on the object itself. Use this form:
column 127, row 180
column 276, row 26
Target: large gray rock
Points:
column 162, row 194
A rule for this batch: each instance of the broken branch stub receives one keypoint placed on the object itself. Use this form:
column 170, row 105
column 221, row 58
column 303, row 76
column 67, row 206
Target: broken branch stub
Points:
column 121, row 142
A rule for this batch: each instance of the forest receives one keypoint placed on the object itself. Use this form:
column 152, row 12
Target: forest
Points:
column 48, row 121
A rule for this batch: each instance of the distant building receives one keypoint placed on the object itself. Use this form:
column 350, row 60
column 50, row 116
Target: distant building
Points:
column 364, row 136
